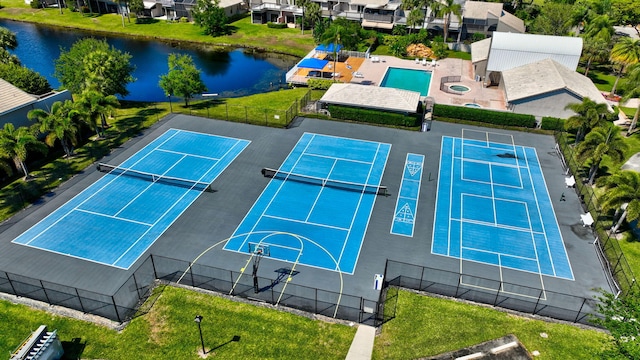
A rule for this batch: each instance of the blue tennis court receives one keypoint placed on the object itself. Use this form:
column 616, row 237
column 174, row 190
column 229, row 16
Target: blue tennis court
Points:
column 493, row 207
column 116, row 219
column 316, row 208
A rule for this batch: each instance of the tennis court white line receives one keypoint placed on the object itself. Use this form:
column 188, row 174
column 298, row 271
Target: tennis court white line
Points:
column 148, row 187
column 488, row 183
column 188, row 155
column 484, row 161
column 90, row 196
column 273, row 197
column 113, row 217
column 355, row 213
column 535, row 248
column 498, row 254
column 321, row 190
column 493, row 225
column 338, row 158
column 178, row 201
column 305, row 222
column 493, row 197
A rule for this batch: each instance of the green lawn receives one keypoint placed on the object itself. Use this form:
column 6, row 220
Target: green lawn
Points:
column 245, row 34
column 426, row 326
column 168, row 331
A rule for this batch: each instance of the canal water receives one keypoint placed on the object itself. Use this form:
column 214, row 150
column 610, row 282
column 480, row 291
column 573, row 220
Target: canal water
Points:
column 233, row 73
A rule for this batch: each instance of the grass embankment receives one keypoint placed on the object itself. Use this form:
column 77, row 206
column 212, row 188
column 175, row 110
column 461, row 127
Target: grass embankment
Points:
column 426, row 326
column 130, row 119
column 244, row 34
column 230, row 330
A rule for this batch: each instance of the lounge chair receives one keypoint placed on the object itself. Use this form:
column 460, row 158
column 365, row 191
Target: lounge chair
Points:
column 375, row 59
column 417, row 61
column 433, row 62
column 424, row 62
column 357, row 74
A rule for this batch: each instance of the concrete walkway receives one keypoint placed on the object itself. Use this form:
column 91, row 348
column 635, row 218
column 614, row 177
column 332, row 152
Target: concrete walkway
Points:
column 362, row 345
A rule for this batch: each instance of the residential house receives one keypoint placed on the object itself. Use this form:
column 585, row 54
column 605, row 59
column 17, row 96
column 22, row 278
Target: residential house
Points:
column 486, row 17
column 545, row 88
column 176, row 9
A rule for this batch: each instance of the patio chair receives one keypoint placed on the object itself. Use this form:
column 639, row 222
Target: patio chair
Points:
column 417, row 61
column 424, row 62
column 433, row 62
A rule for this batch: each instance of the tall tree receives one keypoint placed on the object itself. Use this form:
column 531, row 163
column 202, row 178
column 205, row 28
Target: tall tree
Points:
column 621, row 188
column 8, row 40
column 625, row 52
column 333, row 36
column 553, row 19
column 91, row 62
column 209, row 15
column 15, row 144
column 414, row 19
column 600, row 142
column 631, row 87
column 302, row 4
column 589, row 114
column 313, row 13
column 61, row 124
column 445, row 10
column 96, row 106
column 136, row 7
column 408, row 6
column 627, row 12
column 594, row 49
column 183, row 78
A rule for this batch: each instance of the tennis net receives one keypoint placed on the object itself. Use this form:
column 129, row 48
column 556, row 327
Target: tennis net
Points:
column 337, row 184
column 169, row 180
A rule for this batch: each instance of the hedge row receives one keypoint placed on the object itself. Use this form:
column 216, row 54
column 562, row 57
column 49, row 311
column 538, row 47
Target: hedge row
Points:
column 552, row 123
column 273, row 25
column 320, row 84
column 485, row 116
column 373, row 116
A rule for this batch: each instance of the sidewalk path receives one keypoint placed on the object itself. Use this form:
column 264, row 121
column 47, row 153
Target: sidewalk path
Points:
column 362, row 345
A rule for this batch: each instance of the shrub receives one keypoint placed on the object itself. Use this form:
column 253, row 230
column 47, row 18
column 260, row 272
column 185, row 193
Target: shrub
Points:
column 35, row 4
column 320, row 84
column 373, row 116
column 484, row 116
column 552, row 123
column 272, row 25
column 184, row 20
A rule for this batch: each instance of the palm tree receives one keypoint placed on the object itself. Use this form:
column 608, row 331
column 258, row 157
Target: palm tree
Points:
column 625, row 52
column 302, row 4
column 8, row 39
column 332, row 36
column 632, row 90
column 589, row 114
column 62, row 123
column 595, row 49
column 15, row 144
column 414, row 19
column 95, row 105
column 599, row 142
column 622, row 188
column 445, row 9
column 408, row 6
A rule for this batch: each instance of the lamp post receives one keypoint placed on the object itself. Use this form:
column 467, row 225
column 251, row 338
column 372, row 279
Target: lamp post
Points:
column 198, row 320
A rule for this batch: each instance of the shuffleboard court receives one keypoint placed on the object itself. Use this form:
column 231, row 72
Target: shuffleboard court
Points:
column 407, row 204
column 316, row 208
column 117, row 218
column 493, row 207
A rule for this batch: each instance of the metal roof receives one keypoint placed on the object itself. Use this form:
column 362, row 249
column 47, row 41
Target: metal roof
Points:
column 12, row 98
column 546, row 76
column 373, row 97
column 510, row 50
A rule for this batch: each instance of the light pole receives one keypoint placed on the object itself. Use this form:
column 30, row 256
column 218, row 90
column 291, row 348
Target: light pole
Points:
column 198, row 320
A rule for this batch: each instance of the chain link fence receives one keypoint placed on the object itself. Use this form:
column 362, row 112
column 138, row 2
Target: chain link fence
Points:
column 616, row 265
column 493, row 292
column 221, row 110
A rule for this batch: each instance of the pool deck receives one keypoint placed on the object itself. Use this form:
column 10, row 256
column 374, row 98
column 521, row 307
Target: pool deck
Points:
column 492, row 98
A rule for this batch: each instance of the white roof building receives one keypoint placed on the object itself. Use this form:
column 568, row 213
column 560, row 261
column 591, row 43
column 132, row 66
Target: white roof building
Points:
column 372, row 97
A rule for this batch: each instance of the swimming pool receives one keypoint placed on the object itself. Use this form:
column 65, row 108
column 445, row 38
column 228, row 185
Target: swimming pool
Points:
column 407, row 79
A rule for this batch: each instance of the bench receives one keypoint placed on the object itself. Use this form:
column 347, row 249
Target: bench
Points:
column 587, row 219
